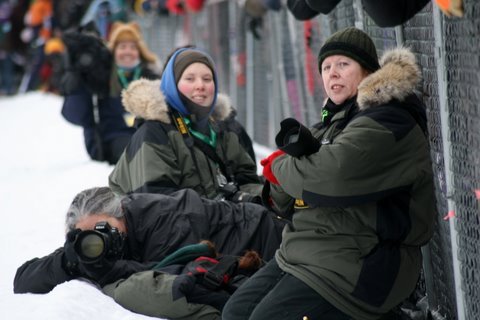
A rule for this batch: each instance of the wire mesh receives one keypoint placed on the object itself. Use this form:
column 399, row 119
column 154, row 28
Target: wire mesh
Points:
column 276, row 76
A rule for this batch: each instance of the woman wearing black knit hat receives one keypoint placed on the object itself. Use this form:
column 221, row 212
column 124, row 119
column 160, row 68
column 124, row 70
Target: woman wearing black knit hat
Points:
column 359, row 187
column 182, row 140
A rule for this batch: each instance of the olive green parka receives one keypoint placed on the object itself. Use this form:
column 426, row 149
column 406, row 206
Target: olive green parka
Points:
column 159, row 159
column 368, row 194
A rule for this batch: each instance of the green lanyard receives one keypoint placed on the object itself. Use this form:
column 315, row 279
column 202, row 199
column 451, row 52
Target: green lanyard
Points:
column 123, row 79
column 324, row 114
column 212, row 140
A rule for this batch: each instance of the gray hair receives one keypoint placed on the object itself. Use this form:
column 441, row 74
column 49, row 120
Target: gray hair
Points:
column 94, row 201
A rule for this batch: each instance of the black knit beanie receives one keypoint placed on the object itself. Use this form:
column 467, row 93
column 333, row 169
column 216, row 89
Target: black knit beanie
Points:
column 186, row 58
column 353, row 43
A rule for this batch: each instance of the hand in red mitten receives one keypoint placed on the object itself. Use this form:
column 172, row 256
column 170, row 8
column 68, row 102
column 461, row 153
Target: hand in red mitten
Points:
column 175, row 7
column 267, row 166
column 195, row 5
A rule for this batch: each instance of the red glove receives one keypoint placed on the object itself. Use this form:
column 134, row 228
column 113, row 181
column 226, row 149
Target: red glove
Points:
column 195, row 5
column 175, row 7
column 267, row 166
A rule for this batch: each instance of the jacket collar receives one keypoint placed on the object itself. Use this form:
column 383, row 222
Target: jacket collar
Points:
column 144, row 99
column 396, row 79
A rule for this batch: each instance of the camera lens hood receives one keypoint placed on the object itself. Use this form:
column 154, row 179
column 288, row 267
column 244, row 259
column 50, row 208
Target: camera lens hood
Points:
column 90, row 246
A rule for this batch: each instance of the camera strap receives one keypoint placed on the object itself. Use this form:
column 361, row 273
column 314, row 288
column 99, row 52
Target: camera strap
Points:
column 187, row 138
column 209, row 151
column 96, row 129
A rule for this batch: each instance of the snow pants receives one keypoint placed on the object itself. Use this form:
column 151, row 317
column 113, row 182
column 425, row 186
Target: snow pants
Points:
column 272, row 293
column 151, row 293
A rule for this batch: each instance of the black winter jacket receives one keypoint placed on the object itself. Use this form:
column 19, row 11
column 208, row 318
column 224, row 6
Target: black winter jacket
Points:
column 157, row 225
column 79, row 109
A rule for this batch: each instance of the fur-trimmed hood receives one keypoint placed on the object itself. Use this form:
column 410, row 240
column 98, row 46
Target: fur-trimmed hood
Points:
column 396, row 79
column 144, row 99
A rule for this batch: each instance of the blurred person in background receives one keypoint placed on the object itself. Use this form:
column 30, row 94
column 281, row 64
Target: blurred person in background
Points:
column 103, row 14
column 52, row 68
column 95, row 77
column 6, row 63
column 38, row 29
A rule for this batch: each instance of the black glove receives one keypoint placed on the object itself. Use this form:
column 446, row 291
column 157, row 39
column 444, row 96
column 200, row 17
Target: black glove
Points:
column 70, row 258
column 241, row 196
column 70, row 82
column 295, row 139
column 254, row 25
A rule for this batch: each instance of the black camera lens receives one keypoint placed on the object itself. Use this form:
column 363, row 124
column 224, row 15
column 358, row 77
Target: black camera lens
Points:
column 92, row 246
column 85, row 60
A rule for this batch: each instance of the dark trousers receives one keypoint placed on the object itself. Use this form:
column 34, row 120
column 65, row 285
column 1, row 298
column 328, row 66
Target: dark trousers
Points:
column 274, row 294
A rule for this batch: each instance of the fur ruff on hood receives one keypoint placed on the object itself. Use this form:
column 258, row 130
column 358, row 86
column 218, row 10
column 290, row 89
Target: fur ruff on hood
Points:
column 144, row 99
column 396, row 79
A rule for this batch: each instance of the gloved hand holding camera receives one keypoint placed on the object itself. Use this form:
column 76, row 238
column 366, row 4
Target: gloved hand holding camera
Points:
column 295, row 139
column 88, row 62
column 93, row 253
column 230, row 191
column 70, row 258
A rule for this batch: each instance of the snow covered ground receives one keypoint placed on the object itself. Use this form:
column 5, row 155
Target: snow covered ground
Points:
column 43, row 165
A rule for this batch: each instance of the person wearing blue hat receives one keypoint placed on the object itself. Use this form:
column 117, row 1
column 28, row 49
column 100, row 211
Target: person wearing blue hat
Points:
column 182, row 140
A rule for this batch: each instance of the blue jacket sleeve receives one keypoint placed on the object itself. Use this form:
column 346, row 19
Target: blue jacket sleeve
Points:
column 78, row 109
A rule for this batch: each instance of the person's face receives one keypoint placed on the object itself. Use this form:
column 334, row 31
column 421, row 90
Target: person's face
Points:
column 341, row 77
column 196, row 83
column 126, row 54
column 89, row 222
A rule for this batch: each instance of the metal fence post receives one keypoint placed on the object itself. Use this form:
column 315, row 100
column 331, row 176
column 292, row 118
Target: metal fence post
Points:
column 250, row 108
column 297, row 56
column 444, row 116
column 279, row 66
column 232, row 44
column 359, row 17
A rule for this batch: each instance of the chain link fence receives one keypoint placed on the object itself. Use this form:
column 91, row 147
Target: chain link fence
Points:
column 270, row 73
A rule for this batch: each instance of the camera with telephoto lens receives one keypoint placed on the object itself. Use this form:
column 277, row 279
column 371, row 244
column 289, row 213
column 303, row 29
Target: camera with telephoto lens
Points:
column 230, row 191
column 104, row 242
column 295, row 139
